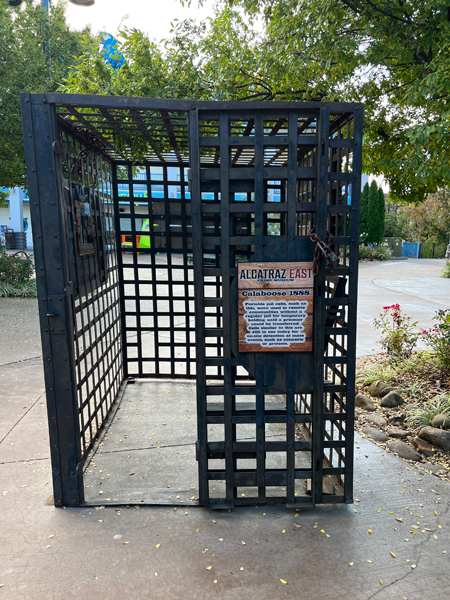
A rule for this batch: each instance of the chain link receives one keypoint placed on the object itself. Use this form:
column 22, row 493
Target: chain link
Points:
column 322, row 250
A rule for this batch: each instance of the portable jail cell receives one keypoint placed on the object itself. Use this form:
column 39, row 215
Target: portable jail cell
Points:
column 227, row 190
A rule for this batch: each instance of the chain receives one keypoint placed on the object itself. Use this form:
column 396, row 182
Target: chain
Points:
column 322, row 250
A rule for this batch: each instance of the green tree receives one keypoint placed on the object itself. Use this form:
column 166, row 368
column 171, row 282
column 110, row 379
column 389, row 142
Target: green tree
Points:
column 390, row 54
column 373, row 236
column 36, row 54
column 364, row 219
column 381, row 213
column 395, row 225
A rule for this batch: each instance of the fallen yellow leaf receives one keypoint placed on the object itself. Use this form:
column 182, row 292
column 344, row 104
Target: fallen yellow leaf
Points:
column 283, row 581
column 209, row 568
column 283, row 531
column 351, row 564
column 369, row 561
column 370, row 530
column 158, row 545
column 392, row 554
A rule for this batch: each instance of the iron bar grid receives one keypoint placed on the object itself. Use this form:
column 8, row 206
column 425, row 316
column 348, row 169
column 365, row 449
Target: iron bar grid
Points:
column 159, row 303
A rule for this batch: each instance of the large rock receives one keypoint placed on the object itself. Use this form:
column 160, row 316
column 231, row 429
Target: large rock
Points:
column 392, row 400
column 375, row 434
column 380, row 389
column 441, row 421
column 400, row 434
column 377, row 420
column 422, row 446
column 403, row 450
column 364, row 402
column 437, row 437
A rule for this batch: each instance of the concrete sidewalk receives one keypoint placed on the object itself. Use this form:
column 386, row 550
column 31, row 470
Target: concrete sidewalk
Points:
column 153, row 553
column 159, row 553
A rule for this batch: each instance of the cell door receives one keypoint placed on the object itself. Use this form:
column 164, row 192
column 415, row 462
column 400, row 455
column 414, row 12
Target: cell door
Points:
column 275, row 197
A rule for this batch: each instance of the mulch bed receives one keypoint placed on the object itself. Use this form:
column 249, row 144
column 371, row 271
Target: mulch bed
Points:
column 416, row 389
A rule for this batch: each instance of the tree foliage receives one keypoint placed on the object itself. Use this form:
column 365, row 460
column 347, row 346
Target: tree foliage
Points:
column 364, row 218
column 36, row 54
column 390, row 54
column 375, row 229
column 430, row 221
column 373, row 214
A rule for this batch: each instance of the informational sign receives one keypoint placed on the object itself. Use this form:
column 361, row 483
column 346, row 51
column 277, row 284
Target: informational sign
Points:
column 275, row 306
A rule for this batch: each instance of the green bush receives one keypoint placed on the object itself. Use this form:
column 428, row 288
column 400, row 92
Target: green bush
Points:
column 446, row 270
column 16, row 272
column 377, row 252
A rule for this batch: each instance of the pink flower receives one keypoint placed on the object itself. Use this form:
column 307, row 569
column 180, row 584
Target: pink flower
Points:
column 424, row 332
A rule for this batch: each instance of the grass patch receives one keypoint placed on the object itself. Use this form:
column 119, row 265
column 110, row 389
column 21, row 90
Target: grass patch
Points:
column 374, row 373
column 423, row 415
column 24, row 290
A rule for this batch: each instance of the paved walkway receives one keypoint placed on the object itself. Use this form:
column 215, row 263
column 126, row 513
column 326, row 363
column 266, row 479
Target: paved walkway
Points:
column 159, row 553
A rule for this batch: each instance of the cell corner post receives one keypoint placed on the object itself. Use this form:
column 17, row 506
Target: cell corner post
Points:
column 54, row 288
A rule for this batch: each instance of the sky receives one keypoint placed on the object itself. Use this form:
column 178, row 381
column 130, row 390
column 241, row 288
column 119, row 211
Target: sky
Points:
column 151, row 16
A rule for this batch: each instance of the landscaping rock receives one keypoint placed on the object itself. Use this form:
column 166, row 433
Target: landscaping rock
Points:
column 409, row 407
column 364, row 402
column 437, row 437
column 375, row 434
column 441, row 421
column 377, row 420
column 403, row 450
column 433, row 468
column 392, row 400
column 422, row 446
column 400, row 434
column 380, row 389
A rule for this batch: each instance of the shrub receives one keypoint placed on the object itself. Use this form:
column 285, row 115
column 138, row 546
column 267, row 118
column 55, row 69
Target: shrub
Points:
column 377, row 252
column 16, row 272
column 446, row 270
column 438, row 338
column 398, row 337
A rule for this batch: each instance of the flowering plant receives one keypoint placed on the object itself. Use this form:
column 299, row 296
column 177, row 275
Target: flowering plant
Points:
column 438, row 337
column 398, row 336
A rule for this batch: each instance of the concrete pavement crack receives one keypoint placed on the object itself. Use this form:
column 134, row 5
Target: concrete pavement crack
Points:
column 23, row 416
column 419, row 548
